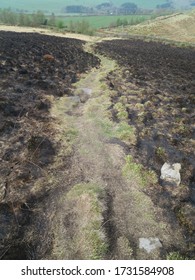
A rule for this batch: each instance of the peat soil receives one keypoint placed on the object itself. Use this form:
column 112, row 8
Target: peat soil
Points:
column 57, row 131
column 156, row 87
column 34, row 69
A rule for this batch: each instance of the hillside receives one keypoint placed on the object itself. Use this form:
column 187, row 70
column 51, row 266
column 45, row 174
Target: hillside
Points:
column 88, row 126
column 85, row 129
column 178, row 27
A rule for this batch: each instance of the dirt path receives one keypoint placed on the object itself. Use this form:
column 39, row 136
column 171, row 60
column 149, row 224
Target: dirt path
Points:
column 106, row 210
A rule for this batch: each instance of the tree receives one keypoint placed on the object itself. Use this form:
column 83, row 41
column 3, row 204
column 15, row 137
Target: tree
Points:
column 60, row 24
column 77, row 9
column 129, row 8
column 52, row 20
column 82, row 27
column 21, row 19
column 38, row 18
column 104, row 6
column 9, row 17
column 27, row 20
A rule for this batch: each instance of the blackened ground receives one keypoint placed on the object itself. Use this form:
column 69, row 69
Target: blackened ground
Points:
column 165, row 77
column 156, row 85
column 32, row 68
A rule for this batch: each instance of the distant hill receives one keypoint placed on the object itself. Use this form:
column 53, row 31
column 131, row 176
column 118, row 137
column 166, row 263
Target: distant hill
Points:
column 57, row 5
column 178, row 27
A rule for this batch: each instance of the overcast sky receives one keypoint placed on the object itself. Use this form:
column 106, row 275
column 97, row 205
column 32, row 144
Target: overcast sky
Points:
column 181, row 2
column 35, row 4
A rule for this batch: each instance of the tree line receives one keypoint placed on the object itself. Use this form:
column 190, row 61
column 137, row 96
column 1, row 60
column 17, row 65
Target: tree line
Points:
column 107, row 7
column 38, row 19
column 7, row 16
column 124, row 22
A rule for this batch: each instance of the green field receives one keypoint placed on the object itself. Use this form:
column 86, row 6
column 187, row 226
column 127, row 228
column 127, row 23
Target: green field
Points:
column 102, row 21
column 57, row 5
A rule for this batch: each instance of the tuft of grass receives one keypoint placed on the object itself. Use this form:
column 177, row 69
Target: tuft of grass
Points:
column 184, row 218
column 135, row 172
column 89, row 238
column 123, row 99
column 176, row 256
column 126, row 133
column 121, row 111
column 139, row 106
column 161, row 153
column 124, row 249
column 91, row 189
column 71, row 135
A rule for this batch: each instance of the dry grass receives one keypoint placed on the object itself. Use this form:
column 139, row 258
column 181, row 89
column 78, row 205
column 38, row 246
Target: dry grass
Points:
column 79, row 233
column 46, row 32
column 178, row 27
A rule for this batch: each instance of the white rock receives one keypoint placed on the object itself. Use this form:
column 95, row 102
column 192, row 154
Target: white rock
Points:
column 149, row 244
column 170, row 173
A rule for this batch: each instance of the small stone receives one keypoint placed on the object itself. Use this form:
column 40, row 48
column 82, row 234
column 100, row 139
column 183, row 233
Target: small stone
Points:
column 149, row 244
column 48, row 57
column 170, row 173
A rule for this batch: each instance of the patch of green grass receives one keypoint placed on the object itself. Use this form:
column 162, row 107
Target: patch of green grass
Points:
column 104, row 86
column 135, row 171
column 139, row 106
column 176, row 256
column 99, row 248
column 81, row 27
column 106, row 126
column 161, row 153
column 132, row 169
column 90, row 189
column 60, row 24
column 124, row 249
column 121, row 111
column 126, row 133
column 184, row 219
column 123, row 99
column 71, row 135
column 103, row 21
column 97, row 110
column 89, row 237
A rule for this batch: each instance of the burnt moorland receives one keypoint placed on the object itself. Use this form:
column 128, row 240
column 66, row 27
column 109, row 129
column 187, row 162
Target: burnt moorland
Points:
column 158, row 90
column 154, row 90
column 33, row 67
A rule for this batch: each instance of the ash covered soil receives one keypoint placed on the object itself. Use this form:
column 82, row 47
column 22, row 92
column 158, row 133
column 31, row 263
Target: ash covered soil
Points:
column 157, row 89
column 152, row 89
column 33, row 68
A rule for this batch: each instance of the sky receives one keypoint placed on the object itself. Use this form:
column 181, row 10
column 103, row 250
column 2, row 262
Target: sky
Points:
column 181, row 3
column 54, row 4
